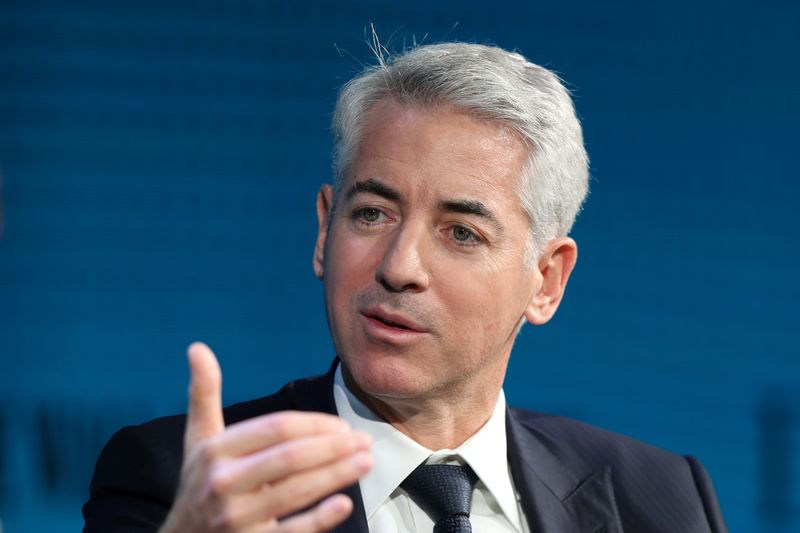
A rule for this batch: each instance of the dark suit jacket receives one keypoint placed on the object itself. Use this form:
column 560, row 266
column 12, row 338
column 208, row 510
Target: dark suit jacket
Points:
column 572, row 477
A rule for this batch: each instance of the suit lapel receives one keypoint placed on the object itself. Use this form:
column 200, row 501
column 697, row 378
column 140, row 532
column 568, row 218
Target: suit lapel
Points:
column 553, row 496
column 357, row 521
column 316, row 394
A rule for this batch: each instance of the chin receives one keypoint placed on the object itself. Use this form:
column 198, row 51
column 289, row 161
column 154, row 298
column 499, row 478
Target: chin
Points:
column 384, row 377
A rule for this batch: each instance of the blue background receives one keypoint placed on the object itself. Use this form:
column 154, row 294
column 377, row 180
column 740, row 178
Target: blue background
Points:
column 159, row 166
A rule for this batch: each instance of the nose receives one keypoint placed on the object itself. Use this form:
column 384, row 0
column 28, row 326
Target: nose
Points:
column 403, row 267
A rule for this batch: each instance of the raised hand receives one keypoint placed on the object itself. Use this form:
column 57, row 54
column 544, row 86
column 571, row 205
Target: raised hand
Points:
column 254, row 475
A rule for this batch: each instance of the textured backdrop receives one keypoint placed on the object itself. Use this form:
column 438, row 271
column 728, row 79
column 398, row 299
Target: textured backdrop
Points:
column 159, row 162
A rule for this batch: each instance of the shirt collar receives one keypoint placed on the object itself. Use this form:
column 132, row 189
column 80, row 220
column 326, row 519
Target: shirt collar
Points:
column 396, row 455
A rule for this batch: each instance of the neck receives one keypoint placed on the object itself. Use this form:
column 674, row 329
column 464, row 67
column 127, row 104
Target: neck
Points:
column 436, row 422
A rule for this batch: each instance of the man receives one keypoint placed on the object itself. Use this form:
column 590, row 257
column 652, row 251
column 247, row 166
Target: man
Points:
column 459, row 171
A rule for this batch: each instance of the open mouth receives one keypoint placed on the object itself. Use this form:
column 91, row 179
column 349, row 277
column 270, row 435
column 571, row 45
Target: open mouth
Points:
column 390, row 323
column 392, row 320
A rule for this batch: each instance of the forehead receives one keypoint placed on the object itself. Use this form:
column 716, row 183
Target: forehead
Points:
column 440, row 150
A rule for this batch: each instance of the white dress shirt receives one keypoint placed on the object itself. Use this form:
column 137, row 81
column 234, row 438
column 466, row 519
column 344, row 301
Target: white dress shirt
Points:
column 389, row 509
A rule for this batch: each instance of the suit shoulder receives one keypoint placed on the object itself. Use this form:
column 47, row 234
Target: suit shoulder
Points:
column 137, row 472
column 162, row 438
column 308, row 394
column 135, row 477
column 584, row 443
column 652, row 486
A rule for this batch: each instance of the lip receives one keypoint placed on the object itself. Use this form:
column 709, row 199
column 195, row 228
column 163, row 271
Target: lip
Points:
column 391, row 319
column 386, row 326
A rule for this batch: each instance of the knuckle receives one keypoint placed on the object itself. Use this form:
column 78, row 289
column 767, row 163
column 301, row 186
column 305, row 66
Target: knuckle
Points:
column 294, row 495
column 347, row 469
column 289, row 456
column 266, row 427
column 220, row 482
column 288, row 496
column 279, row 501
column 304, row 492
column 278, row 425
column 207, row 453
column 342, row 443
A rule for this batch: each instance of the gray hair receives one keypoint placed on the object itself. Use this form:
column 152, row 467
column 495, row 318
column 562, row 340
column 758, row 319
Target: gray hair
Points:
column 492, row 84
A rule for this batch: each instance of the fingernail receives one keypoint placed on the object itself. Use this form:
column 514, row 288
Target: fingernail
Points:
column 340, row 503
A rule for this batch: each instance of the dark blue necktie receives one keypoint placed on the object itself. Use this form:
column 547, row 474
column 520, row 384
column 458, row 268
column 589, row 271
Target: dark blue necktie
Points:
column 444, row 492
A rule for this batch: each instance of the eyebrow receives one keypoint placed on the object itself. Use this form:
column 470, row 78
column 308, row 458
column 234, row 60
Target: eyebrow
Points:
column 472, row 207
column 466, row 207
column 372, row 186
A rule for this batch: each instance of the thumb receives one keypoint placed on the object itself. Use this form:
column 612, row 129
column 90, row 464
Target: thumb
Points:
column 204, row 418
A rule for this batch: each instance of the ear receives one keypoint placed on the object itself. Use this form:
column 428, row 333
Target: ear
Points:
column 324, row 205
column 555, row 265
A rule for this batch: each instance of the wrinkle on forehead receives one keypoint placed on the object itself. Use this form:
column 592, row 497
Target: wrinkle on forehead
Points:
column 430, row 146
column 502, row 134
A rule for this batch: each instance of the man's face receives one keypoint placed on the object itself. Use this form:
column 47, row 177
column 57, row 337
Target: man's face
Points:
column 423, row 255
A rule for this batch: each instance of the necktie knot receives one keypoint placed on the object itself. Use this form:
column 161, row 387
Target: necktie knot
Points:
column 444, row 492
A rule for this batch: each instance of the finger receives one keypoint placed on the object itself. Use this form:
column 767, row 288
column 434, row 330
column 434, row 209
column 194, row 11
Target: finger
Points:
column 328, row 514
column 204, row 418
column 245, row 512
column 299, row 491
column 264, row 431
column 278, row 462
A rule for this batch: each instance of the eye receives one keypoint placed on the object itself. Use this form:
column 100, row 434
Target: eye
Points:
column 465, row 236
column 369, row 215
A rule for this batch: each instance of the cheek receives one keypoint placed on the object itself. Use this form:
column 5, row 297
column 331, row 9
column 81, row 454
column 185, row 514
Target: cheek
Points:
column 466, row 302
column 343, row 259
column 492, row 303
column 350, row 266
